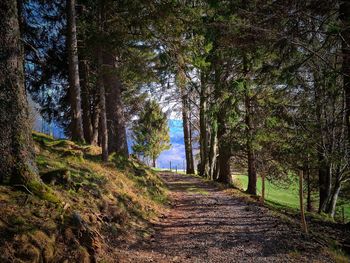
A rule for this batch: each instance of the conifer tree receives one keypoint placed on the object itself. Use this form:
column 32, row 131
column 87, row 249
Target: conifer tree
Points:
column 151, row 132
column 73, row 76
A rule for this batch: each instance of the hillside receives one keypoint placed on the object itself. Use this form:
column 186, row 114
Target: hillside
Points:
column 89, row 206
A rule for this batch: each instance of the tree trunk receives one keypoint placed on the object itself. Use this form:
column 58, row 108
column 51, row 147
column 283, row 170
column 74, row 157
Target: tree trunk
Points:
column 17, row 160
column 85, row 101
column 334, row 198
column 324, row 178
column 309, row 191
column 301, row 199
column 95, row 124
column 181, row 83
column 344, row 14
column 213, row 151
column 73, row 74
column 186, row 129
column 324, row 175
column 224, row 167
column 154, row 164
column 103, row 133
column 117, row 140
column 252, row 177
column 203, row 134
column 102, row 129
column 224, row 172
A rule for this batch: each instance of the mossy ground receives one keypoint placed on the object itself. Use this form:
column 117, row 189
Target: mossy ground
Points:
column 112, row 202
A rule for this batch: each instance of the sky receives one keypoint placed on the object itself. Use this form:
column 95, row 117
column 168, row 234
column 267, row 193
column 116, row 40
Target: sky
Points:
column 176, row 154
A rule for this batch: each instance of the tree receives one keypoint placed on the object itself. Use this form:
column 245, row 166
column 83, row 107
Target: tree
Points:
column 17, row 161
column 344, row 12
column 151, row 132
column 73, row 76
column 181, row 83
column 117, row 141
column 102, row 101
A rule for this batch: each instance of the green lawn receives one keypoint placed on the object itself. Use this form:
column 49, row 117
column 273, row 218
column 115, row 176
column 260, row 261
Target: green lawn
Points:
column 280, row 195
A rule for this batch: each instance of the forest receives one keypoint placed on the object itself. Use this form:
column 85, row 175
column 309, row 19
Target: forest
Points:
column 262, row 89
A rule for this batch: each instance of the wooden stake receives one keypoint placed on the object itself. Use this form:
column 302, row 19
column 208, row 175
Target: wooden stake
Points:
column 301, row 198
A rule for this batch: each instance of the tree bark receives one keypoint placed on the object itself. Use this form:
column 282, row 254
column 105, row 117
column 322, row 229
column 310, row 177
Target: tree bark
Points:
column 181, row 83
column 117, row 140
column 85, row 101
column 203, row 134
column 252, row 177
column 17, row 160
column 344, row 15
column 324, row 171
column 213, row 151
column 186, row 129
column 95, row 124
column 73, row 74
column 103, row 133
column 224, row 173
column 333, row 199
column 224, row 166
column 309, row 191
column 301, row 200
column 324, row 178
column 102, row 128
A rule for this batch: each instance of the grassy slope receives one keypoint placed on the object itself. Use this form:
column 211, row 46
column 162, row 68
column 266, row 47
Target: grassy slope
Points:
column 280, row 195
column 97, row 206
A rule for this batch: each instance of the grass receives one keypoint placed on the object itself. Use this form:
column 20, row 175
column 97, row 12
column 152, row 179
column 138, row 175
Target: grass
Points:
column 116, row 200
column 283, row 197
column 287, row 195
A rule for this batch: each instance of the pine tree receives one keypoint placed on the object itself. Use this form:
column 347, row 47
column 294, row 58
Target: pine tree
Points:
column 151, row 132
column 73, row 76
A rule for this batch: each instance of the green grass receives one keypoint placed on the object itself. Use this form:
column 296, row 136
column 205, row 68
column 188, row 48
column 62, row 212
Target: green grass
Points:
column 283, row 196
column 287, row 196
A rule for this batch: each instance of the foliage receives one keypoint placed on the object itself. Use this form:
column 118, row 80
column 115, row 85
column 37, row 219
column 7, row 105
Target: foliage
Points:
column 151, row 131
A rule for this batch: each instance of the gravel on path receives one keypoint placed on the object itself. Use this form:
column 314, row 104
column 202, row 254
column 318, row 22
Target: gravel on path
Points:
column 205, row 224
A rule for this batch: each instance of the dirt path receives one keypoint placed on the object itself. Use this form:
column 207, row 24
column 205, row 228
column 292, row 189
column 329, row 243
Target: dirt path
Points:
column 207, row 225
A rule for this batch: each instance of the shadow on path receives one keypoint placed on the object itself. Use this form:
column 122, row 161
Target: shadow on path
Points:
column 205, row 224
